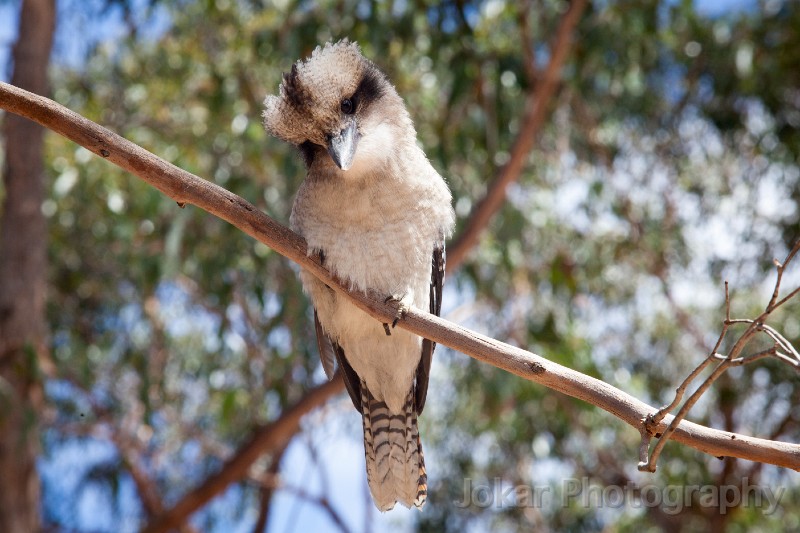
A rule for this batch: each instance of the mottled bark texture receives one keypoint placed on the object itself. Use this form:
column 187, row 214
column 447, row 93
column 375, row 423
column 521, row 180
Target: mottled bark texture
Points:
column 23, row 261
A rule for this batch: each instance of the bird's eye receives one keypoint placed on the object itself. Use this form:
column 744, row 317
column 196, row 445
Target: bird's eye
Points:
column 348, row 107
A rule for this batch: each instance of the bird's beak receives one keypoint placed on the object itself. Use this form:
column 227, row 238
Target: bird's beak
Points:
column 342, row 147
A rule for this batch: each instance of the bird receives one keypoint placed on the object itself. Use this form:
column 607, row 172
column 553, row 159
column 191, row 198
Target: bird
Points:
column 377, row 214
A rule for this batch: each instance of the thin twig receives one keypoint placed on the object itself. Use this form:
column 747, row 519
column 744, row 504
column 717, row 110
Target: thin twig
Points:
column 786, row 359
column 780, row 340
column 727, row 302
column 746, row 360
column 781, row 267
column 650, row 465
column 644, row 444
column 754, row 326
column 659, row 415
column 322, row 501
column 786, row 298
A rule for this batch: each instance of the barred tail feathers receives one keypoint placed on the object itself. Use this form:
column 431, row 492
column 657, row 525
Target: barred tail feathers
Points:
column 393, row 451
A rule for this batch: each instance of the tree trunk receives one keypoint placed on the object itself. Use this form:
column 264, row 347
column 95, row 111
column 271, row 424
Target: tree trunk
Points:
column 23, row 262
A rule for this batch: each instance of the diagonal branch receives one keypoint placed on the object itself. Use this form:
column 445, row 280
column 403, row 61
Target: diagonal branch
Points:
column 186, row 188
column 537, row 105
column 267, row 439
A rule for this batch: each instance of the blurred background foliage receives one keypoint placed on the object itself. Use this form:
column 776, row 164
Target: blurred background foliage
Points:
column 669, row 164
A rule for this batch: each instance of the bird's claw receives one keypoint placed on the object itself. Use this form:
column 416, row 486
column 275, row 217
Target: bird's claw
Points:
column 402, row 308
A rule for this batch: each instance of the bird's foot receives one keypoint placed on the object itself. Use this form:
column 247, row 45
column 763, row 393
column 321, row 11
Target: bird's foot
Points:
column 403, row 305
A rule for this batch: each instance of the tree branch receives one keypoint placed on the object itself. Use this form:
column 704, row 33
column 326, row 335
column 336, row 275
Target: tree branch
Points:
column 186, row 188
column 271, row 437
column 537, row 105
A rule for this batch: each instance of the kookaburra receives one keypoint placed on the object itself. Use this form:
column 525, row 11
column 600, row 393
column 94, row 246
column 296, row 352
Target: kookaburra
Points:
column 378, row 214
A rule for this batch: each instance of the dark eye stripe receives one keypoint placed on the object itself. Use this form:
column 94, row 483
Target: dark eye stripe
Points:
column 371, row 86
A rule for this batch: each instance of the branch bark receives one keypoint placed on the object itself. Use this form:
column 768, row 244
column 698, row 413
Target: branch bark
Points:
column 186, row 188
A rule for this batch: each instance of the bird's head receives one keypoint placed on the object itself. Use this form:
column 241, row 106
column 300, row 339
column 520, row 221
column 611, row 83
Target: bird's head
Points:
column 335, row 102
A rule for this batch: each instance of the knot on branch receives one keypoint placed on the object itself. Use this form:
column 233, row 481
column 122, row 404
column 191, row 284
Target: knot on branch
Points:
column 650, row 424
column 536, row 368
